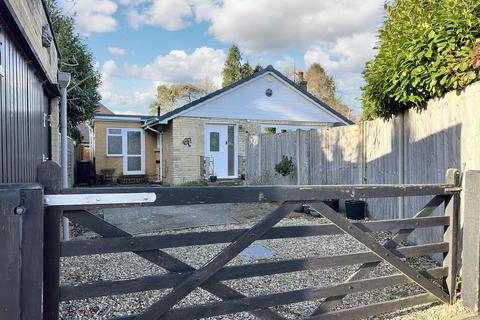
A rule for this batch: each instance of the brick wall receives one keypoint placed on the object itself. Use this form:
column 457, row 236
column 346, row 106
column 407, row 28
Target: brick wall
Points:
column 102, row 161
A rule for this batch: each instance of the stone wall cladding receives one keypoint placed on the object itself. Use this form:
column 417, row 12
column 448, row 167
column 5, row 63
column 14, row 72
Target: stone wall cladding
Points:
column 32, row 17
column 185, row 161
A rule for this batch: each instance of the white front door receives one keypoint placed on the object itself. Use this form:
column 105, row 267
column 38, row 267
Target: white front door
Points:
column 133, row 159
column 221, row 149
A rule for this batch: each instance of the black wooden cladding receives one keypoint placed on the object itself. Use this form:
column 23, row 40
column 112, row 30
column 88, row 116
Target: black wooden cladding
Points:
column 24, row 140
column 140, row 243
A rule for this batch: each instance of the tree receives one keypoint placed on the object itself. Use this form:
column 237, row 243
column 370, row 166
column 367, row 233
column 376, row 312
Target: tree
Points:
column 247, row 70
column 258, row 68
column 234, row 70
column 174, row 96
column 322, row 86
column 319, row 83
column 75, row 58
column 427, row 48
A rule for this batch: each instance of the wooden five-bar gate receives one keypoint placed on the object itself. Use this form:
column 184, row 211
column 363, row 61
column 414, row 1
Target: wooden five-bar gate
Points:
column 438, row 284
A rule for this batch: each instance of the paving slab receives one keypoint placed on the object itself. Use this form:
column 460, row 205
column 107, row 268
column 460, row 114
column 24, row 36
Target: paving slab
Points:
column 257, row 252
column 154, row 219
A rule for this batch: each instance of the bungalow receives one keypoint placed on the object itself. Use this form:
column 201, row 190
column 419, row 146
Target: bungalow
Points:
column 207, row 136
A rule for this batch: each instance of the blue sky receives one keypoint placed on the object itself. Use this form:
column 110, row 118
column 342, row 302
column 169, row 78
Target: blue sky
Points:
column 139, row 44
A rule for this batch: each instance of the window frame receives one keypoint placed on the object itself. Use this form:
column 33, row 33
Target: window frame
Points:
column 121, row 134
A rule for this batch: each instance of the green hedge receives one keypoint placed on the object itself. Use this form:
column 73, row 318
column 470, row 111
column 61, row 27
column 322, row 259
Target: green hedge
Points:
column 427, row 48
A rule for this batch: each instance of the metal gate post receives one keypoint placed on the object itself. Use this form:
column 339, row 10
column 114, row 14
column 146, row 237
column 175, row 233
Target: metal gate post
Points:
column 471, row 241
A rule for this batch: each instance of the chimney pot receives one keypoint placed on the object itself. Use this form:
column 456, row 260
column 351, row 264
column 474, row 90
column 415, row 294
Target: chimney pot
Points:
column 301, row 80
column 300, row 77
column 158, row 111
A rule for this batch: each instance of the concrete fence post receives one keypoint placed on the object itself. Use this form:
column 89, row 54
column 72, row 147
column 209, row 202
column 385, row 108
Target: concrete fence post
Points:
column 471, row 241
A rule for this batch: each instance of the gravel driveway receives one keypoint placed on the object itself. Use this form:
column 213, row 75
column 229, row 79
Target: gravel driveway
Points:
column 128, row 265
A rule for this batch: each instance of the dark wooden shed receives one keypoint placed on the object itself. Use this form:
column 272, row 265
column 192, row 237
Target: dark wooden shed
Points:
column 28, row 73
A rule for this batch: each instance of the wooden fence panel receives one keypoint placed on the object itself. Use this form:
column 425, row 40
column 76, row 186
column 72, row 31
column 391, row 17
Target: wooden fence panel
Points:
column 381, row 147
column 252, row 169
column 441, row 136
column 430, row 147
column 272, row 148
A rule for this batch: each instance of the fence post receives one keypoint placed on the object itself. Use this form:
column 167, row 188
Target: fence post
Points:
column 21, row 218
column 298, row 136
column 10, row 243
column 451, row 234
column 471, row 241
column 49, row 175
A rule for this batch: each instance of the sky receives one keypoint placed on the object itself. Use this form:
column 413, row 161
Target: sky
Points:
column 139, row 44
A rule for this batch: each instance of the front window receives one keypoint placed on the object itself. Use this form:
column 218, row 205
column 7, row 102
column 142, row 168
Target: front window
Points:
column 114, row 142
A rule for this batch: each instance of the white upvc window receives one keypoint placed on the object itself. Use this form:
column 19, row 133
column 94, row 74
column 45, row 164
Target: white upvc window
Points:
column 128, row 143
column 115, row 142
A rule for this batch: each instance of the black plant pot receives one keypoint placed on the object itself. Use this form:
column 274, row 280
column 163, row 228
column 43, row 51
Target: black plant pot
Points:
column 356, row 209
column 332, row 203
column 299, row 209
column 213, row 178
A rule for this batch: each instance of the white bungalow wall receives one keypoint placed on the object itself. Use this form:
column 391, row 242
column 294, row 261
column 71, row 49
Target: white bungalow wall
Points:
column 249, row 101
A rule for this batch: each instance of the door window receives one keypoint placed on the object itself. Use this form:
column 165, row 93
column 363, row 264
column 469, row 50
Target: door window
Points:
column 214, row 141
column 134, row 151
column 231, row 150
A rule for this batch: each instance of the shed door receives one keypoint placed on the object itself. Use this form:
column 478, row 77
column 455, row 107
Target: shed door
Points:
column 133, row 160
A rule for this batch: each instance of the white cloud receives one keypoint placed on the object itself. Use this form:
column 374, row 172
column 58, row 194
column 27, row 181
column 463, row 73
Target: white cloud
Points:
column 95, row 15
column 345, row 59
column 348, row 53
column 109, row 68
column 284, row 64
column 179, row 66
column 168, row 14
column 279, row 24
column 117, row 51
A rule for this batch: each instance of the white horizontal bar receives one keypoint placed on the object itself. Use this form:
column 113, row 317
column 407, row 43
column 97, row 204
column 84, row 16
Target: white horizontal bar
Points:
column 98, row 198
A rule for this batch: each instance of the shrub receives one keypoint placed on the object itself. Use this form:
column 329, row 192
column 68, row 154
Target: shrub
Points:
column 285, row 166
column 427, row 48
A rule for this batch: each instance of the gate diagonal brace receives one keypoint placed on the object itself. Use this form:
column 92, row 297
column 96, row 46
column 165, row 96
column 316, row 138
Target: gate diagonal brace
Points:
column 163, row 259
column 200, row 276
column 382, row 252
column 364, row 270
